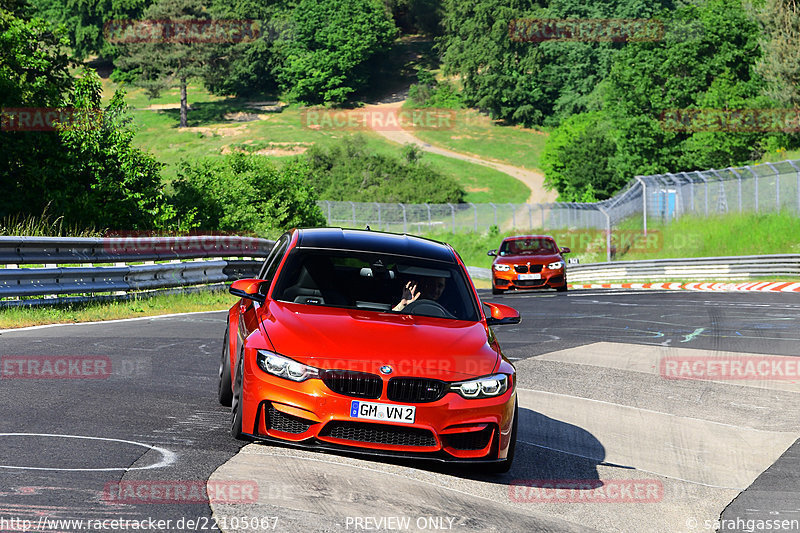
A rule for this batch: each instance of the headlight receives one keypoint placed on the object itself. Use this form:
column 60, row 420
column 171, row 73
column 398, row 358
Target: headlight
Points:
column 557, row 265
column 485, row 387
column 502, row 268
column 283, row 367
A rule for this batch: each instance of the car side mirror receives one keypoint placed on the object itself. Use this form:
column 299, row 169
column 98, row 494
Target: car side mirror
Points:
column 501, row 315
column 565, row 250
column 493, row 253
column 248, row 288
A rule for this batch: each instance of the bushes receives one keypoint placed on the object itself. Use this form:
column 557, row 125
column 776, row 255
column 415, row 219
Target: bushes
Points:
column 350, row 171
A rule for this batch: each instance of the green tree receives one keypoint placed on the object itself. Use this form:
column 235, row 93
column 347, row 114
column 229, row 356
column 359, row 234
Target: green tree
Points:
column 246, row 193
column 780, row 62
column 167, row 60
column 416, row 16
column 332, row 43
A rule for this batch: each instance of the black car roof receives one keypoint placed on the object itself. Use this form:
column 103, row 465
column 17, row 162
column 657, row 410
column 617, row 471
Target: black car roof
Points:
column 374, row 241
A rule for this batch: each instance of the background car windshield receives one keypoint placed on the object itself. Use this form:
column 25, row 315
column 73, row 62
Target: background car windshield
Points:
column 528, row 246
column 375, row 282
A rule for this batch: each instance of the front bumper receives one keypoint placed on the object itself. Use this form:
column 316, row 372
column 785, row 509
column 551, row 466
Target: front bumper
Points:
column 506, row 280
column 310, row 415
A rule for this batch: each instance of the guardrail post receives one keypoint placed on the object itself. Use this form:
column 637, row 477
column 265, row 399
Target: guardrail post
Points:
column 798, row 183
column 755, row 184
column 777, row 186
column 640, row 179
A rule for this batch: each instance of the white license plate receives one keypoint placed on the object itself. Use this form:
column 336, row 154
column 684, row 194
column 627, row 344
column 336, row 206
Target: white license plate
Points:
column 383, row 412
column 530, row 276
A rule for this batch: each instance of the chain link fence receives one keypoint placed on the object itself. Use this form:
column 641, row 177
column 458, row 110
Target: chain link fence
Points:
column 767, row 187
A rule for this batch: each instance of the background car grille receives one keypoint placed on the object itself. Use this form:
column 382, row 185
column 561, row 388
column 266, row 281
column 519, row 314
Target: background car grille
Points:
column 522, row 269
column 473, row 440
column 415, row 390
column 529, row 282
column 287, row 423
column 357, row 384
column 379, row 434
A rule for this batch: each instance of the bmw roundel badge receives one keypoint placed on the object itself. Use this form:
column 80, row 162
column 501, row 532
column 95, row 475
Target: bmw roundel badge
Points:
column 386, row 369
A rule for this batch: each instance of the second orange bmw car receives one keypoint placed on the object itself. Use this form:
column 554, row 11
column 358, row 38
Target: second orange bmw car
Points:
column 529, row 262
column 369, row 342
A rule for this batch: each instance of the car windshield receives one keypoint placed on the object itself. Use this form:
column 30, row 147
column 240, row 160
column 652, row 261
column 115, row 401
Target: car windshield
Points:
column 376, row 282
column 528, row 246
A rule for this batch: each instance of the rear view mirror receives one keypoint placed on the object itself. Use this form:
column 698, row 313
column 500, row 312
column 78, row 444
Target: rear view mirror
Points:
column 248, row 288
column 501, row 315
column 565, row 250
column 492, row 253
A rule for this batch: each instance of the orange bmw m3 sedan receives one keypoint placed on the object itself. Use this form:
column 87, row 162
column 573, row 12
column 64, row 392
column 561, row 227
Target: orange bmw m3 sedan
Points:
column 369, row 342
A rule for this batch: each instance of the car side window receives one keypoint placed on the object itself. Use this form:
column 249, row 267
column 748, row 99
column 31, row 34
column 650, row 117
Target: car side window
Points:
column 273, row 260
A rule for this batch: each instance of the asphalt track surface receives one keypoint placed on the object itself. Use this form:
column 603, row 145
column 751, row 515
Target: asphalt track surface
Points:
column 593, row 408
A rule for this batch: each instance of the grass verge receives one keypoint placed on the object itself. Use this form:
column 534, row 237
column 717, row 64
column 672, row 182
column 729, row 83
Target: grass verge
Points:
column 99, row 311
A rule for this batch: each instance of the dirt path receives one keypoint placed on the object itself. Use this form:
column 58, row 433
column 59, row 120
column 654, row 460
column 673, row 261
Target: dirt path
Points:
column 532, row 178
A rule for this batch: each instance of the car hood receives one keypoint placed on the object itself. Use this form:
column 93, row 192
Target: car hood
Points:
column 522, row 259
column 351, row 339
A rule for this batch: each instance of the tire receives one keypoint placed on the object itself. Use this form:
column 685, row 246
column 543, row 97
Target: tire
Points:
column 236, row 403
column 497, row 291
column 562, row 289
column 505, row 465
column 224, row 391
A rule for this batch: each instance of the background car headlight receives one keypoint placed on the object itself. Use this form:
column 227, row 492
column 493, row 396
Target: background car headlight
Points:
column 485, row 387
column 556, row 265
column 283, row 367
column 502, row 268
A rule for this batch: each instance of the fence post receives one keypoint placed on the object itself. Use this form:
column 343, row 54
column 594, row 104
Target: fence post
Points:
column 542, row 206
column 798, row 183
column 379, row 215
column 494, row 207
column 530, row 213
column 353, row 205
column 329, row 211
column 608, row 233
column 721, row 194
column 405, row 225
column 453, row 215
column 755, row 183
column 430, row 222
column 705, row 182
column 475, row 210
column 777, row 187
column 513, row 215
column 739, row 179
column 691, row 189
column 644, row 202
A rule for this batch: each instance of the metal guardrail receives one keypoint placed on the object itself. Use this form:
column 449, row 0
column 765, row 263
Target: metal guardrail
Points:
column 192, row 261
column 691, row 269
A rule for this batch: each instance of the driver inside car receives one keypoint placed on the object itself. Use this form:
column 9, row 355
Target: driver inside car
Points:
column 430, row 288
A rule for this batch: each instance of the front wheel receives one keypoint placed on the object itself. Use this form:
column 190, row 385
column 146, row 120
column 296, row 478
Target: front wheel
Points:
column 224, row 392
column 563, row 288
column 236, row 407
column 497, row 291
column 505, row 465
